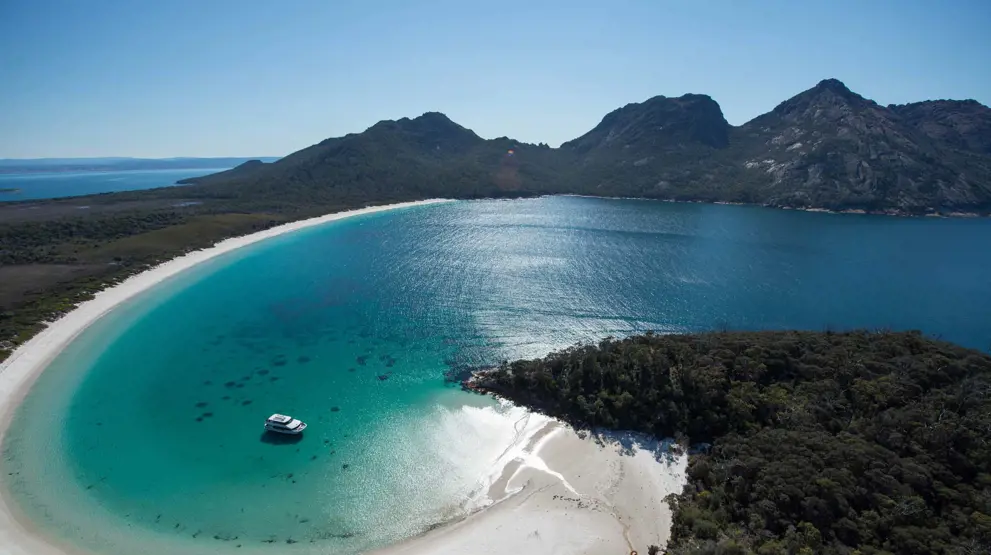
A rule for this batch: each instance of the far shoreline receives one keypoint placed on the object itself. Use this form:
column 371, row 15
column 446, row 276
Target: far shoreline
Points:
column 26, row 363
column 847, row 211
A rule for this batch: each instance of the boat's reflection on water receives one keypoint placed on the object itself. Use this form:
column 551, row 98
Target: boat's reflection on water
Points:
column 273, row 438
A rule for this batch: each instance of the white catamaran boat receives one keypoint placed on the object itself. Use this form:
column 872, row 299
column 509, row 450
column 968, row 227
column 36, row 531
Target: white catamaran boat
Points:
column 283, row 424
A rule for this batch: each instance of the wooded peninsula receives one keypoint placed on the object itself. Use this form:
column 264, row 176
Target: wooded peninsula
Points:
column 835, row 443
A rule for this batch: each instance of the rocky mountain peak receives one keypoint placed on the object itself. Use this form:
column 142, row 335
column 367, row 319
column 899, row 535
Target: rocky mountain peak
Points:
column 961, row 124
column 826, row 147
column 830, row 101
column 659, row 122
column 430, row 130
column 437, row 120
column 834, row 86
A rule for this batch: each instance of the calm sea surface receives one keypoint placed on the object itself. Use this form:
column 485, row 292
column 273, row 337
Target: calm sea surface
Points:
column 33, row 186
column 147, row 430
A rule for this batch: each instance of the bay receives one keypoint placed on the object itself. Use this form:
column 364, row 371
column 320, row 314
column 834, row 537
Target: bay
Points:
column 147, row 430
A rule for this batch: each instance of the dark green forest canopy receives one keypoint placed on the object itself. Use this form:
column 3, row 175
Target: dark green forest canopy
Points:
column 845, row 443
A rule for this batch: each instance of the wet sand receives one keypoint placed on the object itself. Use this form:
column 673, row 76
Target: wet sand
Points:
column 571, row 495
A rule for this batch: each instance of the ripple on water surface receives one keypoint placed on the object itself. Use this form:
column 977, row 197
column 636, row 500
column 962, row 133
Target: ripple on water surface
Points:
column 153, row 417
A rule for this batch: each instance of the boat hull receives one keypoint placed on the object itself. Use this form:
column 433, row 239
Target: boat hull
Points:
column 286, row 431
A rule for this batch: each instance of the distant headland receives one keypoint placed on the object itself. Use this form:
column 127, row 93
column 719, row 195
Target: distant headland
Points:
column 61, row 165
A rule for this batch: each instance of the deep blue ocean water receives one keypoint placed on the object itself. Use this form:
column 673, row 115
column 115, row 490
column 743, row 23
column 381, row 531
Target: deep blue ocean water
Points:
column 148, row 427
column 33, row 186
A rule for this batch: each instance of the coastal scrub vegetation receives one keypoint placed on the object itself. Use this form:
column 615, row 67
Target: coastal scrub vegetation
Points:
column 49, row 265
column 837, row 443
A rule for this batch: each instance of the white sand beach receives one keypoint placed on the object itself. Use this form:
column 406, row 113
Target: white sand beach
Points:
column 22, row 368
column 560, row 493
column 567, row 494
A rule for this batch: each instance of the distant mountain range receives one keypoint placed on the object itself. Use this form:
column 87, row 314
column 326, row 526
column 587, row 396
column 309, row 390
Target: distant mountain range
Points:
column 42, row 165
column 826, row 148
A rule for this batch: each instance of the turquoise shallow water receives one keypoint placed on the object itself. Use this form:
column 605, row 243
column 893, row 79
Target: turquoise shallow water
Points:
column 148, row 428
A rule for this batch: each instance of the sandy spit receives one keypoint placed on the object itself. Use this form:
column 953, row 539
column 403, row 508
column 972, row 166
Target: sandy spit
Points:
column 22, row 367
column 569, row 494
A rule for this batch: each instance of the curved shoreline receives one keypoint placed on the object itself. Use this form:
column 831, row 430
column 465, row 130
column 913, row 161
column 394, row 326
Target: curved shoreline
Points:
column 541, row 487
column 20, row 370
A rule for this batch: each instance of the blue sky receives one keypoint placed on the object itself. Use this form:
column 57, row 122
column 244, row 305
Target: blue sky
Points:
column 230, row 78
